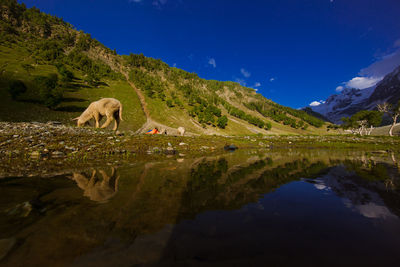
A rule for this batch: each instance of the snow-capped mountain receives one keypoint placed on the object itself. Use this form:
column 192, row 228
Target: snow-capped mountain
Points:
column 351, row 100
column 345, row 104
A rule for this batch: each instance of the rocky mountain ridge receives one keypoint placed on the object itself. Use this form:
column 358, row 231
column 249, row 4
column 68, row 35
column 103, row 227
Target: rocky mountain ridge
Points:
column 352, row 100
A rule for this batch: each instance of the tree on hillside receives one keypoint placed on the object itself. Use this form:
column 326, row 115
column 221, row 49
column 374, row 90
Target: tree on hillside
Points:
column 16, row 88
column 374, row 119
column 222, row 122
column 393, row 111
column 49, row 91
column 66, row 75
column 332, row 127
column 363, row 121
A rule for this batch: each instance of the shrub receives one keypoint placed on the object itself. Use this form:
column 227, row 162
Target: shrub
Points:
column 49, row 50
column 16, row 88
column 66, row 75
column 49, row 92
column 222, row 122
column 170, row 104
column 51, row 97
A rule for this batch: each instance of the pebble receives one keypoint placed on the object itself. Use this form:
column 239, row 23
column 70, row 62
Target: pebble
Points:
column 170, row 151
column 54, row 122
column 57, row 154
column 35, row 154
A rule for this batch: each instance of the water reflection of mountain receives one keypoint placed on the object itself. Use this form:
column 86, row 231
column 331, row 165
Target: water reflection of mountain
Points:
column 212, row 186
column 57, row 217
column 356, row 194
column 371, row 188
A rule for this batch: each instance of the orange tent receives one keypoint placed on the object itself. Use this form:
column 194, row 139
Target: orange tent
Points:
column 154, row 131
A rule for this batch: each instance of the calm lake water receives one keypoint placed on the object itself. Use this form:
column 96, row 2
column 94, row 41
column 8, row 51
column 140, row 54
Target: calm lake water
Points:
column 247, row 208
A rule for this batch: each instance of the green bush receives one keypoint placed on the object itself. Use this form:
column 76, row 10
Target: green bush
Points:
column 170, row 104
column 49, row 50
column 16, row 88
column 66, row 75
column 222, row 122
column 51, row 97
column 49, row 91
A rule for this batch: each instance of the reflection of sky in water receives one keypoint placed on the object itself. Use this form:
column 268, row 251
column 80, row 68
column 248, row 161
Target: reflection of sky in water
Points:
column 372, row 210
column 355, row 197
column 320, row 215
column 321, row 186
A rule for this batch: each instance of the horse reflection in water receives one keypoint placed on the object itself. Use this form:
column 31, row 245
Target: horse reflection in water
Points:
column 95, row 188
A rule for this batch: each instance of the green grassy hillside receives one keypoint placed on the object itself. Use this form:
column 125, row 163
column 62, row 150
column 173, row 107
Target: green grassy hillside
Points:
column 76, row 95
column 63, row 70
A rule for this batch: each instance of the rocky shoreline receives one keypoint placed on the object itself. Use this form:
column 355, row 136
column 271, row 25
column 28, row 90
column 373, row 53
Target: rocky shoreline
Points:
column 46, row 149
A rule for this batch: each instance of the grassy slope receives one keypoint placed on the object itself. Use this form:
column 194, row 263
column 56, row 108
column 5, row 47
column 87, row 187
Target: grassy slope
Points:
column 75, row 99
column 176, row 116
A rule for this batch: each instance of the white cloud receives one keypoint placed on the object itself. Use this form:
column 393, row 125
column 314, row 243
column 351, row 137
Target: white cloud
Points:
column 396, row 43
column 257, row 84
column 174, row 65
column 272, row 79
column 339, row 88
column 135, row 1
column 375, row 72
column 315, row 103
column 212, row 62
column 385, row 65
column 245, row 73
column 159, row 3
column 363, row 82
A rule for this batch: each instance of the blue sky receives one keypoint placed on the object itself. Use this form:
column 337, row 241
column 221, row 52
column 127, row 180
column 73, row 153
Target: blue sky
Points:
column 292, row 51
